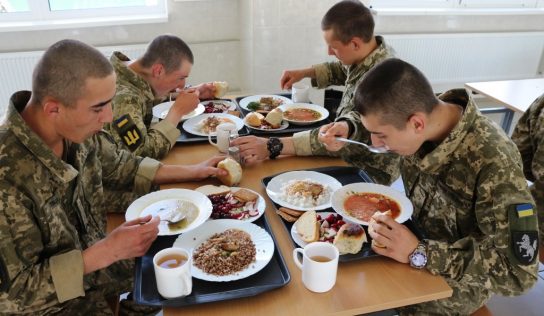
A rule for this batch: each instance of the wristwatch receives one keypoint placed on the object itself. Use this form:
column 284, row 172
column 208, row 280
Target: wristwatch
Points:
column 418, row 258
column 274, row 146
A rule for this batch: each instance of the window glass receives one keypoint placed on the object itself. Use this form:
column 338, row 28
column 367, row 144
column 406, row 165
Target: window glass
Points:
column 9, row 6
column 59, row 5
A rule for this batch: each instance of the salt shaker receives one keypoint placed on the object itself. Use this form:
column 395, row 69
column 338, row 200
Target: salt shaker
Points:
column 234, row 153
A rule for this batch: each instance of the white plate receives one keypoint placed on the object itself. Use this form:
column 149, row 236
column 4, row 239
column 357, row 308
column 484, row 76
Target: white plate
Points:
column 261, row 205
column 256, row 98
column 284, row 125
column 160, row 111
column 324, row 112
column 191, row 125
column 273, row 189
column 153, row 203
column 230, row 106
column 296, row 236
column 264, row 246
column 338, row 197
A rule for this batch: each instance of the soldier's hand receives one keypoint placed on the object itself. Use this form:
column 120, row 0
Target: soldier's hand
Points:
column 252, row 149
column 328, row 133
column 186, row 101
column 208, row 168
column 289, row 77
column 398, row 240
column 133, row 238
column 205, row 90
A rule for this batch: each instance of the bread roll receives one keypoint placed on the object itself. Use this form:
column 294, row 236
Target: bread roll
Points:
column 307, row 226
column 349, row 238
column 234, row 171
column 370, row 229
column 274, row 118
column 254, row 119
column 221, row 88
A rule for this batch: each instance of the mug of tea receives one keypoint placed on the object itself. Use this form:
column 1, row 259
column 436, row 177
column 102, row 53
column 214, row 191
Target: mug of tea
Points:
column 319, row 265
column 300, row 92
column 173, row 272
column 224, row 131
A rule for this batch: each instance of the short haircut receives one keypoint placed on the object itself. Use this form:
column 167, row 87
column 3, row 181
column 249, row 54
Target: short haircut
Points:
column 349, row 19
column 63, row 70
column 394, row 90
column 167, row 50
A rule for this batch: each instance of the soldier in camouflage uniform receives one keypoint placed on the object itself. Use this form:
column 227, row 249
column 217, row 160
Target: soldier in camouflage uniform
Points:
column 464, row 178
column 145, row 82
column 529, row 137
column 348, row 28
column 55, row 257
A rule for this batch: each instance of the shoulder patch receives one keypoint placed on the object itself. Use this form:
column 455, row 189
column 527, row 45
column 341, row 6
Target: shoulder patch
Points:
column 523, row 233
column 128, row 131
column 525, row 246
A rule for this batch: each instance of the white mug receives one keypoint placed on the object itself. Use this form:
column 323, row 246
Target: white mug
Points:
column 223, row 132
column 319, row 265
column 300, row 92
column 173, row 272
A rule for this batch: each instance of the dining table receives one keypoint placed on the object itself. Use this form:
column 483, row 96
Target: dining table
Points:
column 515, row 96
column 362, row 286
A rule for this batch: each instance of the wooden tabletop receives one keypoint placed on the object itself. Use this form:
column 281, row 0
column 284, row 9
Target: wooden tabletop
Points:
column 517, row 95
column 362, row 286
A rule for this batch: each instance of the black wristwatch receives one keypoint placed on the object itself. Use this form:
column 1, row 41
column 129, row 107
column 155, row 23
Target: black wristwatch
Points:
column 418, row 258
column 274, row 146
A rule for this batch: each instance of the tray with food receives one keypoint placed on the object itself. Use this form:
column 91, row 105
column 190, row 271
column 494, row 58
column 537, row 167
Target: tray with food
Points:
column 260, row 269
column 265, row 114
column 211, row 113
column 312, row 204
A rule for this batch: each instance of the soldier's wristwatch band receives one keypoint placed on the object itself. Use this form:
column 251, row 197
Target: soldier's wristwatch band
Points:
column 418, row 258
column 274, row 146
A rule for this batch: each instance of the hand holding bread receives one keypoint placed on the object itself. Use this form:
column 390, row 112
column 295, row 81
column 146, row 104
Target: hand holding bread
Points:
column 233, row 169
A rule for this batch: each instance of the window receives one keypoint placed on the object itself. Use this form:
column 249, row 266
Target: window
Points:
column 455, row 4
column 43, row 14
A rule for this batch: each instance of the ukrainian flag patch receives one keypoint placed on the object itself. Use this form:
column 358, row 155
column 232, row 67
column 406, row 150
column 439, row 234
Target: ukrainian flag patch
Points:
column 524, row 210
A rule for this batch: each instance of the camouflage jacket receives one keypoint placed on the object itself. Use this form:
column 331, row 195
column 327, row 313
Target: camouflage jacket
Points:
column 383, row 168
column 50, row 210
column 529, row 137
column 132, row 113
column 471, row 199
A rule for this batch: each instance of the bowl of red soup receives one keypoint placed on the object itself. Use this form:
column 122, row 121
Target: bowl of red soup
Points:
column 303, row 113
column 358, row 202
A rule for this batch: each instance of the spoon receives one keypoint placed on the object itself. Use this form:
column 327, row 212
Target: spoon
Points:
column 173, row 216
column 376, row 150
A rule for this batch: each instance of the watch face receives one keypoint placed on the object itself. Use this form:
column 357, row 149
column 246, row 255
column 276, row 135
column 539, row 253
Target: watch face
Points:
column 418, row 259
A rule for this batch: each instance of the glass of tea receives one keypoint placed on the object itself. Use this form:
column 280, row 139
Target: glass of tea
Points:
column 173, row 272
column 319, row 265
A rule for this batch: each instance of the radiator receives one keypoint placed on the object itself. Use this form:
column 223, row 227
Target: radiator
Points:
column 453, row 59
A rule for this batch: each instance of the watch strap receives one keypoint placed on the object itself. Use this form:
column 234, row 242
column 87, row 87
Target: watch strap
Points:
column 274, row 146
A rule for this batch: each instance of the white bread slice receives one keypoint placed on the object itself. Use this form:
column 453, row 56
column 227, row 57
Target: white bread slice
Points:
column 307, row 226
column 350, row 238
column 370, row 229
column 274, row 118
column 254, row 119
column 234, row 171
column 221, row 88
column 210, row 189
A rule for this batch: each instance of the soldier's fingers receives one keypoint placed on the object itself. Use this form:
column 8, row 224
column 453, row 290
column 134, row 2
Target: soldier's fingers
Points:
column 138, row 221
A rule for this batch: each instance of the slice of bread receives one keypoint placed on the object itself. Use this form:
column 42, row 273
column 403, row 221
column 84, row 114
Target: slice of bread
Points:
column 286, row 217
column 274, row 118
column 244, row 195
column 210, row 189
column 254, row 119
column 307, row 226
column 370, row 229
column 291, row 212
column 234, row 171
column 350, row 238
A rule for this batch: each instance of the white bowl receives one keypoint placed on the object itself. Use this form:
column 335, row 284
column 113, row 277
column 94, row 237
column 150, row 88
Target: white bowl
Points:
column 339, row 196
column 321, row 110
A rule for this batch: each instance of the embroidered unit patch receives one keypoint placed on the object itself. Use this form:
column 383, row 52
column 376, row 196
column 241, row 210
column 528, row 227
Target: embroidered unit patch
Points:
column 525, row 246
column 128, row 131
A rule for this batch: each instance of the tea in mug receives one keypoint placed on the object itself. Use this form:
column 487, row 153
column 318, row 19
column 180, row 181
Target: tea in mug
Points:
column 320, row 259
column 171, row 261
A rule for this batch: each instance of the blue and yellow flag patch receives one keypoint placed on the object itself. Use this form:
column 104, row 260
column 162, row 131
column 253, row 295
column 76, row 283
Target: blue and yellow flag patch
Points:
column 524, row 210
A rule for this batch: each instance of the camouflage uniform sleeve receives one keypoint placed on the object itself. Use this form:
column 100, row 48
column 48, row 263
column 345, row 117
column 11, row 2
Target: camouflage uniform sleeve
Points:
column 328, row 74
column 523, row 139
column 30, row 280
column 129, row 129
column 124, row 170
column 487, row 257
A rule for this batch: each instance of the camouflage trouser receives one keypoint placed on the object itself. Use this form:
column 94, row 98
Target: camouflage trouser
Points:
column 462, row 302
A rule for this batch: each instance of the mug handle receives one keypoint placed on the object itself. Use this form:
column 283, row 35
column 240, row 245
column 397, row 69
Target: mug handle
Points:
column 210, row 140
column 296, row 251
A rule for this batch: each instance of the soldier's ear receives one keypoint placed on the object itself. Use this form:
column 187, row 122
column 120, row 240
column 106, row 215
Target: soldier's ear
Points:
column 157, row 70
column 417, row 122
column 51, row 106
